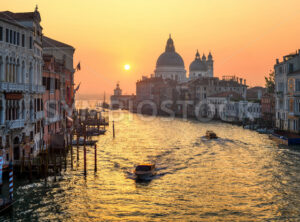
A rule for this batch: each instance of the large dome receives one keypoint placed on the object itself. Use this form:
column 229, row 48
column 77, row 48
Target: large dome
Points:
column 170, row 57
column 197, row 64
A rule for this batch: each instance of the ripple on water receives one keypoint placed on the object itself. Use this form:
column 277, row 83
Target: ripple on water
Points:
column 241, row 176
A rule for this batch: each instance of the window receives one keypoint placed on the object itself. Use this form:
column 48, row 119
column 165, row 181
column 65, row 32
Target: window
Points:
column 18, row 38
column 7, row 35
column 45, row 81
column 280, row 87
column 48, row 84
column 23, row 40
column 10, row 36
column 291, row 105
column 30, row 42
column 291, row 67
column 14, row 38
column 1, row 33
column 297, row 85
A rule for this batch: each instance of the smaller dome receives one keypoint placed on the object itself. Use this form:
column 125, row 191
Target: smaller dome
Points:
column 197, row 64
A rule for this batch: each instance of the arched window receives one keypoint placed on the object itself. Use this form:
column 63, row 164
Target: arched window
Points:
column 1, row 69
column 30, row 73
column 23, row 110
column 23, row 74
column 6, row 69
column 18, row 114
column 18, row 79
column 31, row 111
column 14, row 71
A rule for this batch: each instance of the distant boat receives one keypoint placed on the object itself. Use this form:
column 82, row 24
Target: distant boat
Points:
column 95, row 132
column 265, row 131
column 144, row 171
column 210, row 135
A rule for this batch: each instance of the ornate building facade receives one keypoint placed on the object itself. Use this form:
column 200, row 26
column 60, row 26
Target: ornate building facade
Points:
column 21, row 89
column 170, row 65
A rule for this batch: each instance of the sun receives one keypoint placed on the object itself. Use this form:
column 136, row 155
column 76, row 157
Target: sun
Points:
column 127, row 67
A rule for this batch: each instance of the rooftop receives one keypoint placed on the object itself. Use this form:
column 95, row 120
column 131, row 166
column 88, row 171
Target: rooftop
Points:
column 51, row 43
column 20, row 16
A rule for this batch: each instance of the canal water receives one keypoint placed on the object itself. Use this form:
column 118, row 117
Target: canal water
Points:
column 241, row 176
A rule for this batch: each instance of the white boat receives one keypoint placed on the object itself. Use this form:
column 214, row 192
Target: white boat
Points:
column 144, row 171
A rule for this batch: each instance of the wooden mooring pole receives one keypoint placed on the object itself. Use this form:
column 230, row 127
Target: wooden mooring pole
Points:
column 71, row 156
column 54, row 167
column 84, row 150
column 113, row 128
column 65, row 155
column 77, row 149
column 30, row 169
column 95, row 157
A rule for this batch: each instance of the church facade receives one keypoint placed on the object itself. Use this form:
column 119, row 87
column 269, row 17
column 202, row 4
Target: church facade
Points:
column 170, row 65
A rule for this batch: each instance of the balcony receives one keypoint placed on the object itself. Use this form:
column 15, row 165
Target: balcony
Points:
column 37, row 88
column 21, row 87
column 54, row 119
column 12, row 87
column 15, row 124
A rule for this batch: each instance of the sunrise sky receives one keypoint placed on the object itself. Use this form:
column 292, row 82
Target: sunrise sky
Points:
column 245, row 37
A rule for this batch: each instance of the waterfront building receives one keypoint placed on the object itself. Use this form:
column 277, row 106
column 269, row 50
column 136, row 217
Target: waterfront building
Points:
column 199, row 89
column 118, row 100
column 232, row 107
column 151, row 92
column 52, row 71
column 268, row 109
column 62, row 59
column 21, row 89
column 255, row 93
column 287, row 92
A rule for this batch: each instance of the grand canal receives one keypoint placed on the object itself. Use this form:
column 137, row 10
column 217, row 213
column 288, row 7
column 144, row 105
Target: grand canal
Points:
column 240, row 176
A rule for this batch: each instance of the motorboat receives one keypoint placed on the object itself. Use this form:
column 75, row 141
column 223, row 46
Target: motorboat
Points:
column 265, row 131
column 144, row 171
column 210, row 135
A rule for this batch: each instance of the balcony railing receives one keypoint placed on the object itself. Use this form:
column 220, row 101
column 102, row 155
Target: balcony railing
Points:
column 15, row 124
column 21, row 87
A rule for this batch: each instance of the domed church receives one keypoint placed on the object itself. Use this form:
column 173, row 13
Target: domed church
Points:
column 202, row 67
column 170, row 65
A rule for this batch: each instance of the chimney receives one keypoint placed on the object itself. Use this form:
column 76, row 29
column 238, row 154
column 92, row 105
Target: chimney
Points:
column 241, row 81
column 277, row 61
column 244, row 81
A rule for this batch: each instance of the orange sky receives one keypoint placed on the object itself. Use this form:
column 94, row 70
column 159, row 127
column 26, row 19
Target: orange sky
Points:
column 245, row 37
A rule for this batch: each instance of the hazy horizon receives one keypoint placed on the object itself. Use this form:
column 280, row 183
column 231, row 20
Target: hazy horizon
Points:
column 245, row 38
